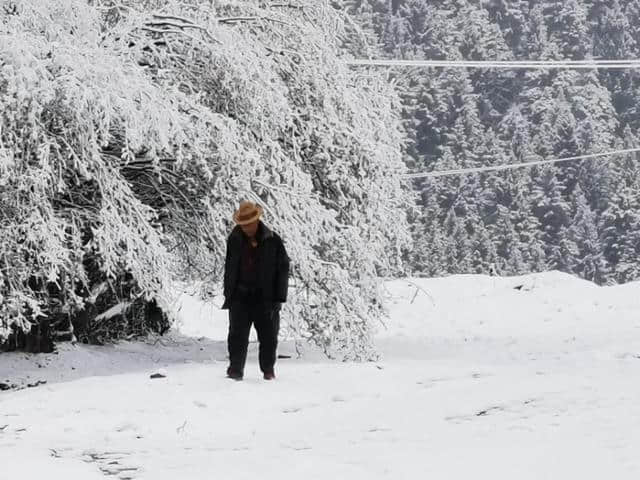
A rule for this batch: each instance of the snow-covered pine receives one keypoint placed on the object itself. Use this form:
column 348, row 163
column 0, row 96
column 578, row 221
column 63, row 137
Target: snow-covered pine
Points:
column 453, row 117
column 130, row 130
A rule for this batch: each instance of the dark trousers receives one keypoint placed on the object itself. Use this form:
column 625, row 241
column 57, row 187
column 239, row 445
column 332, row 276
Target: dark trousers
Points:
column 266, row 321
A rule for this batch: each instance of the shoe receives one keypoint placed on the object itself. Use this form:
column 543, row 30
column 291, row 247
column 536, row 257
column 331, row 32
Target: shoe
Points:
column 234, row 374
column 269, row 376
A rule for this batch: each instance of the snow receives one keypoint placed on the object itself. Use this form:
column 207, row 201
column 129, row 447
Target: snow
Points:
column 117, row 309
column 477, row 380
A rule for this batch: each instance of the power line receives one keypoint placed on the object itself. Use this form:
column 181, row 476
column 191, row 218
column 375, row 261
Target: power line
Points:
column 507, row 64
column 463, row 171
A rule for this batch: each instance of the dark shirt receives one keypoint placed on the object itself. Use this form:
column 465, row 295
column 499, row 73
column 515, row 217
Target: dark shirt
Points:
column 248, row 265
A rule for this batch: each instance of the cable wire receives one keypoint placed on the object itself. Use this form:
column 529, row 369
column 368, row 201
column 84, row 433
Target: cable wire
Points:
column 506, row 64
column 464, row 171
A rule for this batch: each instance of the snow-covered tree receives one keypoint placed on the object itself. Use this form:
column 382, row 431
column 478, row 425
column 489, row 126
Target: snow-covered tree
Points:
column 464, row 118
column 137, row 127
column 590, row 261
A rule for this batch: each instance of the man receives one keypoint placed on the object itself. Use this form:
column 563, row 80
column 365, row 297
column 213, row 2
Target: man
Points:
column 256, row 273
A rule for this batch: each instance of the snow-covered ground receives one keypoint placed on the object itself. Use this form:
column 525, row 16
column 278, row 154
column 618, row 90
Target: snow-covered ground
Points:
column 478, row 379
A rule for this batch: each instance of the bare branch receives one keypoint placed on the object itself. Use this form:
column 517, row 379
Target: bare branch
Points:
column 182, row 23
column 237, row 19
column 286, row 5
column 162, row 30
column 172, row 17
column 250, row 19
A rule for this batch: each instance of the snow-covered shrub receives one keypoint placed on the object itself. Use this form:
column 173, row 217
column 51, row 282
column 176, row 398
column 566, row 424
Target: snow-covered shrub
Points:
column 129, row 132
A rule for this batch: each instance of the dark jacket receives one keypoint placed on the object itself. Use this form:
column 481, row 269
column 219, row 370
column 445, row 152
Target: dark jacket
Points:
column 273, row 265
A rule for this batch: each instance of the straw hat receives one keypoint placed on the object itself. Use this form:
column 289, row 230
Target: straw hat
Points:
column 247, row 213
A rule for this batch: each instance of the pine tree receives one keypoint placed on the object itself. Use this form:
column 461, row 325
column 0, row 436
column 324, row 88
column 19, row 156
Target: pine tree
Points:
column 427, row 256
column 536, row 217
column 362, row 29
column 571, row 30
column 458, row 247
column 528, row 227
column 589, row 260
column 563, row 255
column 613, row 35
column 511, row 16
column 508, row 247
column 620, row 220
column 551, row 208
column 632, row 14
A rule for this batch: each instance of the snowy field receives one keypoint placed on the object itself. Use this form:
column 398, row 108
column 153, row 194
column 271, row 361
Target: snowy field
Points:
column 477, row 380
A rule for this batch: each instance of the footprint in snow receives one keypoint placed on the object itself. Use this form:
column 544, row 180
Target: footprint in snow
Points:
column 298, row 408
column 378, row 430
column 292, row 410
column 112, row 464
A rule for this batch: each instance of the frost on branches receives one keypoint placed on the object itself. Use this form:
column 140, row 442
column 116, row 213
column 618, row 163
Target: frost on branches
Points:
column 129, row 132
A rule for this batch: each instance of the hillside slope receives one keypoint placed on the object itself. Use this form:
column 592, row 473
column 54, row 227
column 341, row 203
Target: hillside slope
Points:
column 477, row 378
